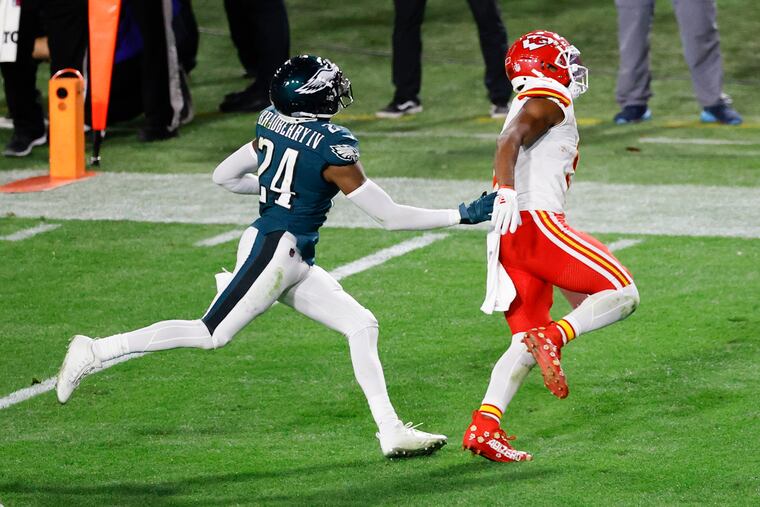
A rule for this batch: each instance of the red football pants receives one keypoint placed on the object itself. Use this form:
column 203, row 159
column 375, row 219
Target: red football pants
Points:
column 546, row 252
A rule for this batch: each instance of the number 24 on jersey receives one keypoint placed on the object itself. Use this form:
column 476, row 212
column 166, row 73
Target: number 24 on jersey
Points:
column 283, row 176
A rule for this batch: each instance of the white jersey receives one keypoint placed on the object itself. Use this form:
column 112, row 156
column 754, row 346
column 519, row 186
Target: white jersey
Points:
column 543, row 171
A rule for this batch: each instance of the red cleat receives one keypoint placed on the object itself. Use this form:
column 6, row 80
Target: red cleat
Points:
column 485, row 438
column 547, row 355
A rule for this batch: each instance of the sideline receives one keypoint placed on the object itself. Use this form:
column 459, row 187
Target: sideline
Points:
column 625, row 209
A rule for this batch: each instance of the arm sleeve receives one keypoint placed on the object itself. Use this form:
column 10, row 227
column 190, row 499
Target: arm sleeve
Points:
column 235, row 173
column 375, row 202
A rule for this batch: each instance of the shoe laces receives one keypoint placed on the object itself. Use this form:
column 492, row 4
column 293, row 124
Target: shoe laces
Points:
column 83, row 368
column 409, row 427
column 507, row 438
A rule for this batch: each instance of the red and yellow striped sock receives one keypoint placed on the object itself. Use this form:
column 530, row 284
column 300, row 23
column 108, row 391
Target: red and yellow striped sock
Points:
column 491, row 411
column 566, row 330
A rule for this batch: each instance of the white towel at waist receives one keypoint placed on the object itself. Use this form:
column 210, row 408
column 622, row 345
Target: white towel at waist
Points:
column 500, row 291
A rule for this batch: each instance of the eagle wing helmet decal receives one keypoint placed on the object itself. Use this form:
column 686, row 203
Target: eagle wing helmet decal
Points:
column 322, row 79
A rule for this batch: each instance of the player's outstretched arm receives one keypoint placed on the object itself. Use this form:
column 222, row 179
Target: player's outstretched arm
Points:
column 536, row 117
column 374, row 201
column 237, row 173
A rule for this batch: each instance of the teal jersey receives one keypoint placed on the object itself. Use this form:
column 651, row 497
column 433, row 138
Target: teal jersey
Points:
column 292, row 153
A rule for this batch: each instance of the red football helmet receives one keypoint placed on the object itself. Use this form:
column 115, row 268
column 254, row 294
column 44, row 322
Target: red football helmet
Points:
column 541, row 53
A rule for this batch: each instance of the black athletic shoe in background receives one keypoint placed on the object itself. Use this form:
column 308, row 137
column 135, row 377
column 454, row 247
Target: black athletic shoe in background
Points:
column 399, row 109
column 250, row 100
column 150, row 134
column 21, row 145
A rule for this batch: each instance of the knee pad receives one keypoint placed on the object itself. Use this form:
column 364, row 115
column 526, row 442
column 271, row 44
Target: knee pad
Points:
column 517, row 338
column 357, row 321
column 368, row 319
column 631, row 294
column 220, row 339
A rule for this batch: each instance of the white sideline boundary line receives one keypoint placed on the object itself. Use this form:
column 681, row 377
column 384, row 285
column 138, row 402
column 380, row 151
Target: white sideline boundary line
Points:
column 702, row 142
column 627, row 210
column 352, row 268
column 224, row 237
column 30, row 232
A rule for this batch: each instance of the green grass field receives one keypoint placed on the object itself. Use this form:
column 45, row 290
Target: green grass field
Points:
column 663, row 407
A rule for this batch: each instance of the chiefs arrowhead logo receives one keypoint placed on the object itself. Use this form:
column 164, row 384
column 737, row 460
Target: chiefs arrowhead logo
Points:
column 533, row 43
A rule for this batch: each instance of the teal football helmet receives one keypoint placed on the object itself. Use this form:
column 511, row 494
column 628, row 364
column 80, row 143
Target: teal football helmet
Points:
column 310, row 87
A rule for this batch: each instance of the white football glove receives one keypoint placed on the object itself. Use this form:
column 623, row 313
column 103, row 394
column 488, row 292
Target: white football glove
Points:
column 506, row 215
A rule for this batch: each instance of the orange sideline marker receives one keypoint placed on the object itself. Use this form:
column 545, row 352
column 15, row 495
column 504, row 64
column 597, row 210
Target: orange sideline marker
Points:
column 66, row 136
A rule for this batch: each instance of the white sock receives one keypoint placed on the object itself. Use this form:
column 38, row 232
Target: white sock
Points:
column 369, row 374
column 603, row 308
column 508, row 374
column 168, row 334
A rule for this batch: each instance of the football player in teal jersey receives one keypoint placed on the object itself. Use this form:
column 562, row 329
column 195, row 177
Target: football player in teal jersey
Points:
column 298, row 161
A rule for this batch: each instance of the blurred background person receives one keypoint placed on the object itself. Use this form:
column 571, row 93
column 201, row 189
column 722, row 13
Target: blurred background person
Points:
column 241, row 34
column 67, row 30
column 261, row 33
column 701, row 48
column 407, row 56
column 127, row 100
column 20, row 84
column 165, row 93
column 151, row 60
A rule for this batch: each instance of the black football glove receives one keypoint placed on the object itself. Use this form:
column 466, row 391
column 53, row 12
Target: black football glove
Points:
column 478, row 210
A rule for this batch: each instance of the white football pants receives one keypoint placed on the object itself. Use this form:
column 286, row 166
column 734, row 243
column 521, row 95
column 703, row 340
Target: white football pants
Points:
column 591, row 313
column 270, row 268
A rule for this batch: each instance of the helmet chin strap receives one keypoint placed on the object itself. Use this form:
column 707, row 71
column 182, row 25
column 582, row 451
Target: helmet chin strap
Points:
column 300, row 116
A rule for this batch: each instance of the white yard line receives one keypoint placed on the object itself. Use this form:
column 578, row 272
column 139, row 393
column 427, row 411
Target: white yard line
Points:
column 28, row 233
column 352, row 268
column 220, row 238
column 49, row 384
column 705, row 142
column 27, row 392
column 385, row 254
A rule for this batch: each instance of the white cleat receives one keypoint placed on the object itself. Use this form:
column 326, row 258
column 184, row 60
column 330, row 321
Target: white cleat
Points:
column 404, row 441
column 79, row 361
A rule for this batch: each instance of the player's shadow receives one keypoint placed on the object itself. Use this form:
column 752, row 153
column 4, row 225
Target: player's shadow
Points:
column 425, row 479
column 457, row 479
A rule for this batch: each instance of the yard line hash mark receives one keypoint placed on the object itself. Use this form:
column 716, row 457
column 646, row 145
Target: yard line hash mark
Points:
column 224, row 237
column 352, row 268
column 386, row 254
column 623, row 243
column 30, row 232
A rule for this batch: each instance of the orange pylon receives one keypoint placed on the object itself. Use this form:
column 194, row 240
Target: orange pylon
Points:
column 66, row 136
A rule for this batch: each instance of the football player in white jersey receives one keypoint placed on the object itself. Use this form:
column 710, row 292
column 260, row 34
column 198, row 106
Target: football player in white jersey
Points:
column 531, row 247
